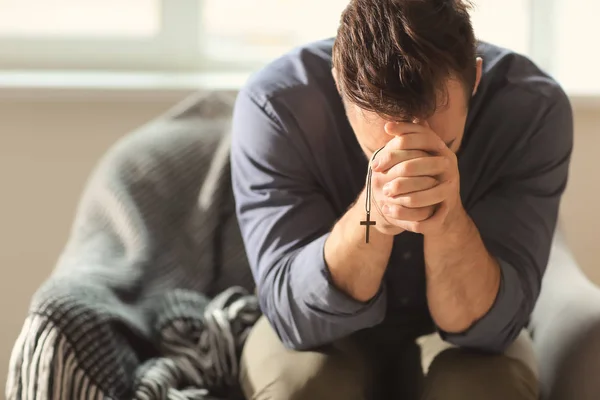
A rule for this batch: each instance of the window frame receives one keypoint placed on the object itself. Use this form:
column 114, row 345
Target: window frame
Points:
column 178, row 46
column 174, row 48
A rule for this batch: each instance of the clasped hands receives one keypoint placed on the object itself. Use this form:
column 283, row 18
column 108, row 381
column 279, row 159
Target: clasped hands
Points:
column 415, row 182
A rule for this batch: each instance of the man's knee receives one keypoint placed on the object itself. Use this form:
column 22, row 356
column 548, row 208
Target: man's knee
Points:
column 270, row 371
column 457, row 374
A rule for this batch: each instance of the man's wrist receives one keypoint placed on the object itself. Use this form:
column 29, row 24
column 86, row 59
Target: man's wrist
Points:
column 357, row 267
column 458, row 225
column 458, row 236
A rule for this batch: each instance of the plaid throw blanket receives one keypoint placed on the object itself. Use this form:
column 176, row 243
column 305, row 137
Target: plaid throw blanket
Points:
column 126, row 313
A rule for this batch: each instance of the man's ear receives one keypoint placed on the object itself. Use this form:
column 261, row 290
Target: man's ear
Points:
column 479, row 67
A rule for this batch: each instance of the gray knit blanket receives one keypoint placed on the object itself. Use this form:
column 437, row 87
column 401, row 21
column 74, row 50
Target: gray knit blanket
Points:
column 151, row 297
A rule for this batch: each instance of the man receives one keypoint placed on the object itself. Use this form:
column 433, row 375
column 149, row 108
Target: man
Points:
column 459, row 149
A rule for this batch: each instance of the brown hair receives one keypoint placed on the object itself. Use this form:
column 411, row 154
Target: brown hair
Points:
column 394, row 57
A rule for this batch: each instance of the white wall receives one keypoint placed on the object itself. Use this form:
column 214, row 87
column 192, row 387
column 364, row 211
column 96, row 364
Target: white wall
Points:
column 47, row 149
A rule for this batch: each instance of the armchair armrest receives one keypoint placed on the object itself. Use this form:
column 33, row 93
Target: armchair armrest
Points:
column 566, row 329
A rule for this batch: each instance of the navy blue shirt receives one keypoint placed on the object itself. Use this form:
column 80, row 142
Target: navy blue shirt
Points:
column 297, row 167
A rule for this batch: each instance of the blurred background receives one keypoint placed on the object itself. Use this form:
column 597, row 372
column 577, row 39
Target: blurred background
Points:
column 75, row 75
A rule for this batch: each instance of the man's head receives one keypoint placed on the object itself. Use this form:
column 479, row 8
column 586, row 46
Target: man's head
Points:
column 406, row 60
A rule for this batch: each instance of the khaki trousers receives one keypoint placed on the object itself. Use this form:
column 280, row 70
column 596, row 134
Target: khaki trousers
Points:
column 371, row 365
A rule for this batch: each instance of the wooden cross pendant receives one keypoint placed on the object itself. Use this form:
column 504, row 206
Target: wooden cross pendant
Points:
column 368, row 223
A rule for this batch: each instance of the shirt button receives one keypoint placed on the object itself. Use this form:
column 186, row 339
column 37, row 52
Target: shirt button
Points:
column 407, row 255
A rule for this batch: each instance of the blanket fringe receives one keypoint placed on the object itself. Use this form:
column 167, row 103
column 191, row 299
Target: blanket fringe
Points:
column 200, row 345
column 43, row 365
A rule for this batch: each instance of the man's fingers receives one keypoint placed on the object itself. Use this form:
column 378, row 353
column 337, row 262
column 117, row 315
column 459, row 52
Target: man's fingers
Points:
column 405, row 185
column 437, row 214
column 424, row 198
column 396, row 213
column 424, row 166
column 424, row 143
column 391, row 156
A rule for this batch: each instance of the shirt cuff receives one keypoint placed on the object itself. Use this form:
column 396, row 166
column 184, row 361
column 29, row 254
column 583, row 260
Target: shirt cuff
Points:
column 496, row 330
column 323, row 296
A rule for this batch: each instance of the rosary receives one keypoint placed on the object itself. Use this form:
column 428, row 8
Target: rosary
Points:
column 368, row 223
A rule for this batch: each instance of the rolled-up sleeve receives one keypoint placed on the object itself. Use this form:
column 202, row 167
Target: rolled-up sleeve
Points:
column 516, row 221
column 285, row 219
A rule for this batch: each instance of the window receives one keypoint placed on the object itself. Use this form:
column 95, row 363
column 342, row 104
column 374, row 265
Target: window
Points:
column 575, row 37
column 99, row 34
column 490, row 22
column 260, row 30
column 71, row 18
column 241, row 35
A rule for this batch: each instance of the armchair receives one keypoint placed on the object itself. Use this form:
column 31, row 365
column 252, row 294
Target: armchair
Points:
column 172, row 153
